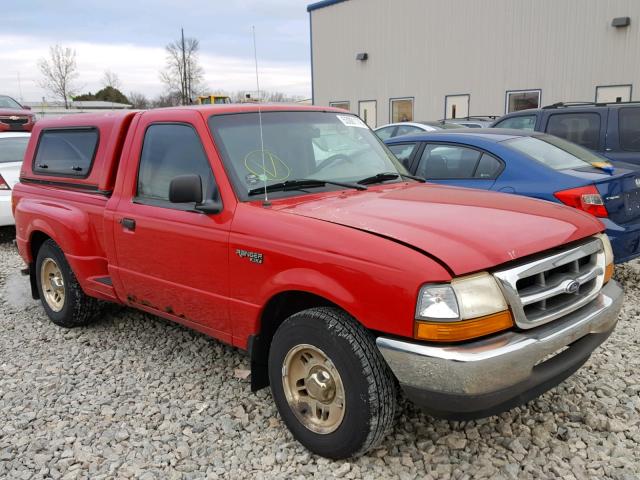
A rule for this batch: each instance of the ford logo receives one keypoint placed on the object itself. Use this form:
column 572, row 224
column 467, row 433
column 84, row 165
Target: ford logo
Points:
column 13, row 117
column 572, row 287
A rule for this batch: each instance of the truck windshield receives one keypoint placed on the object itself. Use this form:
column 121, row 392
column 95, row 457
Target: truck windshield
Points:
column 555, row 152
column 299, row 145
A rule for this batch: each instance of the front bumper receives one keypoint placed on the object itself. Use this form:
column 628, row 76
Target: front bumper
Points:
column 491, row 375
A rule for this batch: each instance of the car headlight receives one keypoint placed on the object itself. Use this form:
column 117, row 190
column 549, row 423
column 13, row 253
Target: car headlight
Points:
column 608, row 256
column 468, row 307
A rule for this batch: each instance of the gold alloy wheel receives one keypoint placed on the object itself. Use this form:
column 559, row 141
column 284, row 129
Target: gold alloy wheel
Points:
column 313, row 388
column 52, row 284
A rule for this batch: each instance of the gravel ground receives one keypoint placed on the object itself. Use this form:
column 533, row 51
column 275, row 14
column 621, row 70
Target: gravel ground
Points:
column 134, row 396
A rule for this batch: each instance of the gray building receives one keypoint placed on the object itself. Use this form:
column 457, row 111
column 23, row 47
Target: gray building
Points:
column 397, row 60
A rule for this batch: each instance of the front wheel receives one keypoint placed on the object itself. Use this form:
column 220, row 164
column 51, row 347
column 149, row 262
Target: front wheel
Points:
column 330, row 383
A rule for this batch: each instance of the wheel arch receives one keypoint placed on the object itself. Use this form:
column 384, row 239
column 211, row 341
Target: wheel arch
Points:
column 36, row 240
column 278, row 308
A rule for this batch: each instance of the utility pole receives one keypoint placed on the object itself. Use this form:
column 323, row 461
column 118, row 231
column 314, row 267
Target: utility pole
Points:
column 185, row 91
column 20, row 88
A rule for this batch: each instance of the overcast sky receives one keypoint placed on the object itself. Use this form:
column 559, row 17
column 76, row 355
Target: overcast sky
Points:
column 128, row 38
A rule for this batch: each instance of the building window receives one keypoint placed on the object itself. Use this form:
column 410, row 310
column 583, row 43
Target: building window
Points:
column 613, row 93
column 522, row 100
column 344, row 105
column 401, row 110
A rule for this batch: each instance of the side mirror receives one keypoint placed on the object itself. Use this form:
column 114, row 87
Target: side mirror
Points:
column 186, row 189
column 26, row 107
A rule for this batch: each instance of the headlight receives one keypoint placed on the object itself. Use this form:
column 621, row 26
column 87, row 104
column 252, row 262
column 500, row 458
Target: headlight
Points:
column 468, row 307
column 463, row 299
column 608, row 256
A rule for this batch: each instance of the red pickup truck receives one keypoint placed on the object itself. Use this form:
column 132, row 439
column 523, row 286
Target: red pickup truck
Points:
column 293, row 233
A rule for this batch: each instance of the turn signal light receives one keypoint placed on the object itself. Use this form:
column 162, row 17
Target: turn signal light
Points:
column 608, row 272
column 587, row 199
column 465, row 330
column 4, row 185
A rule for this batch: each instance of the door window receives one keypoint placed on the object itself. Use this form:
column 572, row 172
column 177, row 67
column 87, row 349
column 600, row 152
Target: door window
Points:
column 488, row 168
column 402, row 110
column 521, row 122
column 580, row 128
column 407, row 130
column 448, row 162
column 629, row 126
column 403, row 152
column 385, row 133
column 12, row 149
column 171, row 150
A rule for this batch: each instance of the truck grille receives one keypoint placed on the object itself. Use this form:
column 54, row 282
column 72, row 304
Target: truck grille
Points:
column 14, row 121
column 550, row 287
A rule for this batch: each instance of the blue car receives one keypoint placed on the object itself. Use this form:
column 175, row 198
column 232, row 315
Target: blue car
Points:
column 535, row 165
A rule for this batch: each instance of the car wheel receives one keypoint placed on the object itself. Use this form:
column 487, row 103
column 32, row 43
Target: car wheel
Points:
column 61, row 295
column 330, row 383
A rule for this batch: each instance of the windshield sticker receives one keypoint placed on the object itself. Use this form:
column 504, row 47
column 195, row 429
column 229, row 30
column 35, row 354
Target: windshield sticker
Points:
column 272, row 168
column 351, row 121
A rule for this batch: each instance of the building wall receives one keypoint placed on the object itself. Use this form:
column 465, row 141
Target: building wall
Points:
column 427, row 49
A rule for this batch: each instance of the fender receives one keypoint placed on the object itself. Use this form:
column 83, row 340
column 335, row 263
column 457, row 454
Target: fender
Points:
column 309, row 281
column 70, row 227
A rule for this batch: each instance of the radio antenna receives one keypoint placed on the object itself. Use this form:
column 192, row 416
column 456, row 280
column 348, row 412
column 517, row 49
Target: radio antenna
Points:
column 264, row 167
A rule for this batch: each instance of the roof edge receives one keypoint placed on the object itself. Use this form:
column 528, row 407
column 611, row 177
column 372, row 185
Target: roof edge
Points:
column 322, row 4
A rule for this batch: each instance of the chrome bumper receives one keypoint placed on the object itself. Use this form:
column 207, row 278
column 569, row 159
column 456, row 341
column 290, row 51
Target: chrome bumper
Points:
column 481, row 375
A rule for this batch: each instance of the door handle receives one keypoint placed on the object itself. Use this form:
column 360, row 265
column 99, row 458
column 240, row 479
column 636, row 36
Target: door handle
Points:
column 128, row 223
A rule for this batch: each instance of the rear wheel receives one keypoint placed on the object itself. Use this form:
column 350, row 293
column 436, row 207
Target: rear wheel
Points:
column 61, row 295
column 330, row 383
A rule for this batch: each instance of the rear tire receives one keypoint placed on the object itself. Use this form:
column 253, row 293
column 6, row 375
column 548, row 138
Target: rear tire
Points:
column 61, row 295
column 331, row 385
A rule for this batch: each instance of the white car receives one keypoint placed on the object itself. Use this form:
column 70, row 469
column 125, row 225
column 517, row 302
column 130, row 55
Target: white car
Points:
column 408, row 128
column 12, row 148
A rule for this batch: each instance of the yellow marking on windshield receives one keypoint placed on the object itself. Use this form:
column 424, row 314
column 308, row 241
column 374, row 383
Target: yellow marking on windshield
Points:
column 273, row 169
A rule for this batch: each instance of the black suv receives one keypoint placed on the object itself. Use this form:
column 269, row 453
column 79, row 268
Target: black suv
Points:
column 611, row 129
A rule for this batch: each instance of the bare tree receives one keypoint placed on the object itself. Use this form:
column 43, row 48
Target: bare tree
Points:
column 183, row 74
column 111, row 79
column 60, row 72
column 139, row 100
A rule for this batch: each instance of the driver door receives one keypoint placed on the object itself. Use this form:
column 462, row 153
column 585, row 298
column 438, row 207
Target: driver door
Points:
column 172, row 260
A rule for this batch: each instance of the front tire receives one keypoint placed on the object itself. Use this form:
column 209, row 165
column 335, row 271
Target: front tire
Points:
column 61, row 295
column 330, row 383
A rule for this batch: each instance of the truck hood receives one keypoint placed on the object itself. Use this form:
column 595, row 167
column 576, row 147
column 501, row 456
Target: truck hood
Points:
column 468, row 230
column 15, row 111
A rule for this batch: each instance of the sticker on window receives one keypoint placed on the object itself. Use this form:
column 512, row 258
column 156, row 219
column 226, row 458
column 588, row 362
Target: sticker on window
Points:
column 351, row 121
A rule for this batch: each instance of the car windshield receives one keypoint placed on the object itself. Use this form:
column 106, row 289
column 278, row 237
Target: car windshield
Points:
column 322, row 146
column 8, row 102
column 555, row 152
column 12, row 149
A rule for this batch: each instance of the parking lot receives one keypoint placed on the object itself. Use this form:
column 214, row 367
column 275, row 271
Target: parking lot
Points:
column 134, row 396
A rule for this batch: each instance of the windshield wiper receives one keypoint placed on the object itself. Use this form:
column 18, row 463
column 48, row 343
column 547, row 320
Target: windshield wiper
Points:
column 384, row 176
column 302, row 183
